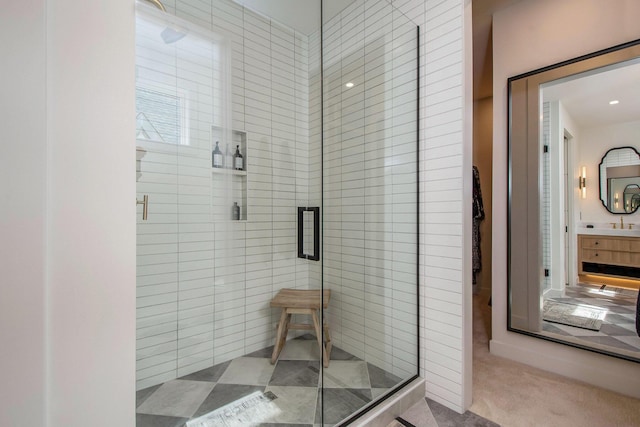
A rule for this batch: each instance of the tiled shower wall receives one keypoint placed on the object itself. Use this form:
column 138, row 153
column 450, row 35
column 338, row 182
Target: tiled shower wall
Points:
column 204, row 286
column 370, row 183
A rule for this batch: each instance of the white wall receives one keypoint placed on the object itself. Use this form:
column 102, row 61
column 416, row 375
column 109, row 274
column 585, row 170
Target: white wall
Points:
column 526, row 36
column 90, row 244
column 22, row 212
column 445, row 197
column 446, row 176
column 68, row 250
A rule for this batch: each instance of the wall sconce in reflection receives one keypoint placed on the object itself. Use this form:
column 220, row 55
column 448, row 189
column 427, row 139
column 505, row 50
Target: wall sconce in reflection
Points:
column 615, row 200
column 582, row 182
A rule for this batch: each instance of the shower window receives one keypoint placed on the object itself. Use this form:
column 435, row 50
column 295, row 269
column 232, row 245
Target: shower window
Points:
column 161, row 116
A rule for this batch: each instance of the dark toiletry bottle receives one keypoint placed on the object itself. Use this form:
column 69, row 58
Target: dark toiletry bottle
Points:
column 238, row 161
column 236, row 211
column 217, row 157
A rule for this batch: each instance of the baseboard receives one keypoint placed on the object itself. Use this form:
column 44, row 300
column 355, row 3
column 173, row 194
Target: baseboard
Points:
column 396, row 405
column 608, row 372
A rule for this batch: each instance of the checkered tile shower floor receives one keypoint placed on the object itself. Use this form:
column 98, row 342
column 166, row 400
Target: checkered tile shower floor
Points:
column 284, row 394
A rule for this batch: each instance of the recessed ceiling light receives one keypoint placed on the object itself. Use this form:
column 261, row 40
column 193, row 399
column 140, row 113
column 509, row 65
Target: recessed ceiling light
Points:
column 349, row 85
column 614, row 102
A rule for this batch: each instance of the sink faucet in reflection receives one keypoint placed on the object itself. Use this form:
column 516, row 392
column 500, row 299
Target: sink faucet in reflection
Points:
column 621, row 223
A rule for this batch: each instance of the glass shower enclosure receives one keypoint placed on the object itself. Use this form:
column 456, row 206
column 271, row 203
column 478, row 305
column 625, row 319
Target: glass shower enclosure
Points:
column 320, row 101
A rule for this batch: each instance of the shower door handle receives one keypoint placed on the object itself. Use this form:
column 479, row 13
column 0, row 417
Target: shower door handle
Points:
column 145, row 206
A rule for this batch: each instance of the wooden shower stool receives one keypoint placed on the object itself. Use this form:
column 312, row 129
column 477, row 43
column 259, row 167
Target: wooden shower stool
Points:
column 295, row 301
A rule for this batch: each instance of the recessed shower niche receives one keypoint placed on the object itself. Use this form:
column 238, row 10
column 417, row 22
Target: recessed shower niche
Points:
column 231, row 174
column 324, row 116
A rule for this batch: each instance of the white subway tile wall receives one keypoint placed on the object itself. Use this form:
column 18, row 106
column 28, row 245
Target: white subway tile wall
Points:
column 442, row 183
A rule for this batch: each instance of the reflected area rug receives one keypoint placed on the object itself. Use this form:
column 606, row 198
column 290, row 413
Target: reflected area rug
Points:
column 580, row 316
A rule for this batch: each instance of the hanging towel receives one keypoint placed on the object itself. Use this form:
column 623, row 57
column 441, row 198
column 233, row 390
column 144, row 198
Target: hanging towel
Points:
column 478, row 216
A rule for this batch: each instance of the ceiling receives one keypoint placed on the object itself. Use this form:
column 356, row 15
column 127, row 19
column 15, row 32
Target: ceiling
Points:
column 586, row 97
column 301, row 15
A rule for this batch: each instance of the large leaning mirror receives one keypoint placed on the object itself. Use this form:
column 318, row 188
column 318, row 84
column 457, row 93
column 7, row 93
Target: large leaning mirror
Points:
column 574, row 194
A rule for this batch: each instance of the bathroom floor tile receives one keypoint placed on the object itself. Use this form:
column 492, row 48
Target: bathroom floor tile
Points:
column 246, row 410
column 284, row 425
column 618, row 327
column 615, row 330
column 146, row 420
column 264, row 353
column 340, row 354
column 294, row 405
column 302, row 373
column 223, row 394
column 380, row 378
column 211, row 374
column 142, row 395
column 339, row 403
column 177, row 398
column 550, row 327
column 346, row 374
column 633, row 341
column 377, row 392
column 609, row 341
column 446, row 417
column 420, row 415
column 616, row 309
column 248, row 370
column 250, row 391
column 300, row 350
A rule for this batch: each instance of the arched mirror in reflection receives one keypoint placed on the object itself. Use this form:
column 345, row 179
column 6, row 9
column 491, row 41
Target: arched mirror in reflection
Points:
column 574, row 252
column 620, row 180
column 631, row 197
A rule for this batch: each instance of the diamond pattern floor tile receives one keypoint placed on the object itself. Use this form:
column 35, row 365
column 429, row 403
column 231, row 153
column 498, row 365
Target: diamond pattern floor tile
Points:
column 346, row 374
column 302, row 373
column 248, row 370
column 280, row 395
column 177, row 398
column 618, row 328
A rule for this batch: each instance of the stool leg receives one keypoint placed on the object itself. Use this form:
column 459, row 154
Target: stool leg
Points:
column 280, row 337
column 327, row 339
column 323, row 351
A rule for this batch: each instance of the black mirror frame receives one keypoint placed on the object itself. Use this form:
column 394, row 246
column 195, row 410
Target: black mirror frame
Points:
column 600, row 180
column 611, row 51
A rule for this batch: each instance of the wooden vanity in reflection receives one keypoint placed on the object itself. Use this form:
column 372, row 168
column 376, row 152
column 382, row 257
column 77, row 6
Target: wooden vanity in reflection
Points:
column 610, row 256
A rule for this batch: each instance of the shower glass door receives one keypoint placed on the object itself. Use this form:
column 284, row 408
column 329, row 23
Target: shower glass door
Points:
column 370, row 200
